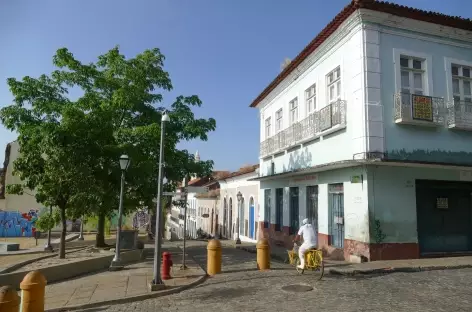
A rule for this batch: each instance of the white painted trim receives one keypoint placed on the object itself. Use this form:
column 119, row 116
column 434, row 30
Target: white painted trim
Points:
column 448, row 61
column 340, row 64
column 399, row 24
column 412, row 25
column 429, row 68
column 343, row 34
column 417, row 36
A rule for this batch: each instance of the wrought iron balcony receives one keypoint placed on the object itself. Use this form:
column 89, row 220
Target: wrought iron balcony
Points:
column 327, row 119
column 421, row 110
column 459, row 115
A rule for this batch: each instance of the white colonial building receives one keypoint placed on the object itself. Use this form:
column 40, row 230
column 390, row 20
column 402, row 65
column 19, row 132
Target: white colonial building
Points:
column 367, row 133
column 239, row 205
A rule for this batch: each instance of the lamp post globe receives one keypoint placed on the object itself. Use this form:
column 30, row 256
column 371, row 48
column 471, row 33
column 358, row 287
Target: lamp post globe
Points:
column 124, row 162
column 116, row 262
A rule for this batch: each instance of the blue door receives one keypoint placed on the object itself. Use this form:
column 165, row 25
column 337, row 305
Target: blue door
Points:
column 251, row 221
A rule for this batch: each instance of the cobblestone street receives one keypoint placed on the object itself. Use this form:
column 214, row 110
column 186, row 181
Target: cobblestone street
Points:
column 242, row 290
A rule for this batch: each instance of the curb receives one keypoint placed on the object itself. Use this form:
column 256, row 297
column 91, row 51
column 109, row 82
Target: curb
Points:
column 161, row 293
column 334, row 271
column 26, row 262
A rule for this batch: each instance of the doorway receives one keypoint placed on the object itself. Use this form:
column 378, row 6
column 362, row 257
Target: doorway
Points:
column 230, row 218
column 225, row 214
column 336, row 211
column 252, row 218
column 444, row 216
column 294, row 210
column 312, row 206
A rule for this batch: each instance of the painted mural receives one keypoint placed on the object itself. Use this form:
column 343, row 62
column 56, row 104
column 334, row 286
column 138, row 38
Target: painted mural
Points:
column 17, row 224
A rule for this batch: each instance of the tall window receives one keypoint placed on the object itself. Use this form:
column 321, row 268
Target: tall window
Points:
column 333, row 81
column 267, row 204
column 278, row 120
column 310, row 99
column 412, row 71
column 279, row 208
column 293, row 104
column 461, row 87
column 267, row 128
column 294, row 210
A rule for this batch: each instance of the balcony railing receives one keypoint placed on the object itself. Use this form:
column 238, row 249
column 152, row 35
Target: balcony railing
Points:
column 415, row 109
column 331, row 116
column 459, row 115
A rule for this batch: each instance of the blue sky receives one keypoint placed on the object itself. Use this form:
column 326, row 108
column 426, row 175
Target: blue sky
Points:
column 225, row 51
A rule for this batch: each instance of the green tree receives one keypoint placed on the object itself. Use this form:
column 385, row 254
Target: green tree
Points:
column 51, row 133
column 120, row 109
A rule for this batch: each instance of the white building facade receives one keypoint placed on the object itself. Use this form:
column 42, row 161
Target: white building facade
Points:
column 239, row 205
column 361, row 126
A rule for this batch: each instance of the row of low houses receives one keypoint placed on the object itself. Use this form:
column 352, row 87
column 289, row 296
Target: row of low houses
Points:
column 367, row 133
column 229, row 209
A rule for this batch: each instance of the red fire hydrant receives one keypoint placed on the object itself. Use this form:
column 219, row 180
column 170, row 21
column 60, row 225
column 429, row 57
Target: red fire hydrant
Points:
column 166, row 264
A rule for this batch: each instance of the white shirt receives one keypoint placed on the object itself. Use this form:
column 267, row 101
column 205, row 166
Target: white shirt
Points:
column 308, row 233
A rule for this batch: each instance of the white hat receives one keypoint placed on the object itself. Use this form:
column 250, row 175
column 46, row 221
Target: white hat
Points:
column 305, row 221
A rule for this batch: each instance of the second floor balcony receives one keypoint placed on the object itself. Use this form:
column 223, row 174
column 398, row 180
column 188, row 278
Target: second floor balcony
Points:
column 328, row 119
column 459, row 115
column 419, row 110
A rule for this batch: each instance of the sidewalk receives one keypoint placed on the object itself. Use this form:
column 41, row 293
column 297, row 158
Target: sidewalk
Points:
column 280, row 253
column 337, row 267
column 411, row 265
column 130, row 284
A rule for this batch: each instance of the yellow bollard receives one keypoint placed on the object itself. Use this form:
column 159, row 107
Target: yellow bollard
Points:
column 214, row 257
column 33, row 289
column 9, row 301
column 263, row 254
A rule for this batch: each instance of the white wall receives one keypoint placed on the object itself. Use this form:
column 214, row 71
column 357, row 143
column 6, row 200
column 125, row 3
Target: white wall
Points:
column 356, row 208
column 345, row 48
column 229, row 188
column 22, row 203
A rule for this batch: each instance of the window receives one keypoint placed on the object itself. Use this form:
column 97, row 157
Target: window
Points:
column 267, row 128
column 461, row 87
column 279, row 208
column 293, row 111
column 278, row 120
column 333, row 81
column 310, row 99
column 412, row 75
column 267, row 195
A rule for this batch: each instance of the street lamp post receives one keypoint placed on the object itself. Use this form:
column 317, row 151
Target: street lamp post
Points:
column 115, row 263
column 240, row 199
column 81, row 236
column 157, row 281
column 48, row 244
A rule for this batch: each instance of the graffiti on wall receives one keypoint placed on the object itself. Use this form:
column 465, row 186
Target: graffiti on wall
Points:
column 140, row 219
column 17, row 224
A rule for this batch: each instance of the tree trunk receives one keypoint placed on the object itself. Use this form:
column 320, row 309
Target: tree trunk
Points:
column 62, row 244
column 100, row 239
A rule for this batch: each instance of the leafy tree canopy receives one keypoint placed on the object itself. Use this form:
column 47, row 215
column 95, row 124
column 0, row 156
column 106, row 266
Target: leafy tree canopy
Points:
column 70, row 148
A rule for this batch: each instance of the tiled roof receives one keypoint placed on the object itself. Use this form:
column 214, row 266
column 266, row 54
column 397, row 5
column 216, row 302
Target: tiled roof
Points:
column 380, row 6
column 241, row 171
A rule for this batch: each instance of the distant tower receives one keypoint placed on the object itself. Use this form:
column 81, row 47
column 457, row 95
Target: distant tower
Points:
column 197, row 159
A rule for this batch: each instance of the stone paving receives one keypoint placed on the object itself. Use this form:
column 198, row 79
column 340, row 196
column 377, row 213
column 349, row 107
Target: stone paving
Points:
column 132, row 281
column 240, row 289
